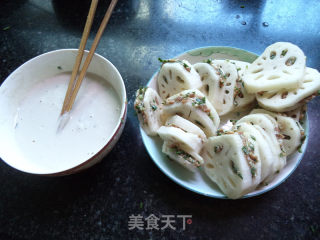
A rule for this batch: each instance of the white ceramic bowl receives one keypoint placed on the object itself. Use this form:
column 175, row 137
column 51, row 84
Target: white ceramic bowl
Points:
column 19, row 84
column 198, row 182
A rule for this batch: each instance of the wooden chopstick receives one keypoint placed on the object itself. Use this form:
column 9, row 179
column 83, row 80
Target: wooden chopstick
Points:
column 83, row 43
column 90, row 55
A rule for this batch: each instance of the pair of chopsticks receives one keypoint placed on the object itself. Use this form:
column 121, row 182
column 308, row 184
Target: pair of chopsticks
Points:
column 74, row 85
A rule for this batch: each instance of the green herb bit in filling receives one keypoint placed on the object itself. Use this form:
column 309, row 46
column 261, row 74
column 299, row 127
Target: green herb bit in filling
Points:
column 238, row 92
column 140, row 107
column 253, row 171
column 251, row 146
column 189, row 95
column 154, row 107
column 141, row 92
column 303, row 138
column 199, row 101
column 187, row 67
column 253, row 137
column 185, row 156
column 219, row 72
column 219, row 132
column 245, row 150
column 221, row 83
column 238, row 69
column 235, row 170
column 163, row 61
column 209, row 60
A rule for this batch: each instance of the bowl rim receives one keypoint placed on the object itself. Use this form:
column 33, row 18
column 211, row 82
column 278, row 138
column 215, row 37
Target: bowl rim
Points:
column 195, row 51
column 117, row 130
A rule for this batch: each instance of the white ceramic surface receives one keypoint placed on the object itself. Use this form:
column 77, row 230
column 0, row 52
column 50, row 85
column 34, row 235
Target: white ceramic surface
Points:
column 198, row 182
column 23, row 79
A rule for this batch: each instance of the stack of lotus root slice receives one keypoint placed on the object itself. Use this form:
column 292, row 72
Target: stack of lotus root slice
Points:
column 186, row 108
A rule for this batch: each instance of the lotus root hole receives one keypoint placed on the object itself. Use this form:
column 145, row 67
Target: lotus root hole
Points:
column 264, row 58
column 170, row 74
column 197, row 70
column 272, row 77
column 224, row 183
column 227, row 91
column 209, row 154
column 162, row 85
column 259, row 63
column 224, row 101
column 228, row 84
column 207, row 88
column 165, row 79
column 179, row 79
column 199, row 124
column 209, row 165
column 272, row 95
column 273, row 54
column 284, row 95
column 228, row 74
column 257, row 70
column 204, row 77
column 260, row 76
column 290, row 61
column 232, row 182
column 275, row 67
column 284, row 52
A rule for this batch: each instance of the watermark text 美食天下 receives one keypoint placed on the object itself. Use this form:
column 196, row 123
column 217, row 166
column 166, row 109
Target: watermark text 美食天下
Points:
column 152, row 222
